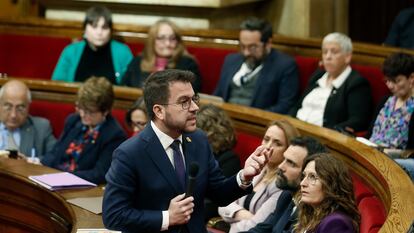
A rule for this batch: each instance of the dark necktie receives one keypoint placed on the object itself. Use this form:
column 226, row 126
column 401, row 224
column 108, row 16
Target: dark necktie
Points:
column 178, row 162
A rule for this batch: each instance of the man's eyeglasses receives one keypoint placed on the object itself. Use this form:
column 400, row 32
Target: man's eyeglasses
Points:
column 311, row 177
column 6, row 107
column 186, row 103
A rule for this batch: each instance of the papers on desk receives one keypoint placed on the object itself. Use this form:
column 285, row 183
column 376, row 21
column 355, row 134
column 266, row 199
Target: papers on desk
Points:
column 96, row 231
column 92, row 204
column 61, row 180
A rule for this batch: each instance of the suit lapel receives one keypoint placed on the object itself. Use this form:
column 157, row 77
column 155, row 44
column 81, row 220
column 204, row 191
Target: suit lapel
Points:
column 189, row 149
column 263, row 74
column 158, row 155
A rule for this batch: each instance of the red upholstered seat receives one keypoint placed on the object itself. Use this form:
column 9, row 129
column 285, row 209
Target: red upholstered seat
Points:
column 210, row 61
column 246, row 144
column 372, row 214
column 370, row 207
column 55, row 112
column 306, row 66
column 376, row 80
column 30, row 56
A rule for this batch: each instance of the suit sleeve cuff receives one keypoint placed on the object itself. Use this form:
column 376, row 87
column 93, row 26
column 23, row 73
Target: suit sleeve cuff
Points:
column 243, row 185
column 165, row 220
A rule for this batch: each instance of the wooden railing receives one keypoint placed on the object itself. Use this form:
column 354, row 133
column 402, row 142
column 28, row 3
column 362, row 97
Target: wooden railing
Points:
column 391, row 184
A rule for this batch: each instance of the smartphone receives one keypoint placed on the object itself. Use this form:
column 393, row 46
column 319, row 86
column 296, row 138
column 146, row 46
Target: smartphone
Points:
column 13, row 154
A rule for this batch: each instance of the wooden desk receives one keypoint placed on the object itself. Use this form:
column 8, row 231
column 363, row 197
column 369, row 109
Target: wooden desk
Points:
column 27, row 207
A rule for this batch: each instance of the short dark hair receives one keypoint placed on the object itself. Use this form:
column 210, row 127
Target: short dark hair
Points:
column 398, row 64
column 312, row 145
column 156, row 86
column 256, row 24
column 139, row 104
column 93, row 14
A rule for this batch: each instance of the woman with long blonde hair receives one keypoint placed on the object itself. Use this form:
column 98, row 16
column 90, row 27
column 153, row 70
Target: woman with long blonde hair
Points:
column 164, row 49
column 254, row 208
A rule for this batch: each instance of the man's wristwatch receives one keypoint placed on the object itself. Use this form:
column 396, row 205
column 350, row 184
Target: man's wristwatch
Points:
column 244, row 182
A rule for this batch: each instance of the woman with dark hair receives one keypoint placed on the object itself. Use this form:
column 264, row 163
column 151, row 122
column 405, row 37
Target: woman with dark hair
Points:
column 97, row 54
column 90, row 135
column 221, row 135
column 393, row 128
column 246, row 212
column 326, row 201
column 164, row 49
column 136, row 117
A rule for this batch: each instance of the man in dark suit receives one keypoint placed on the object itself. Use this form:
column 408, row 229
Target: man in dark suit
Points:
column 401, row 33
column 18, row 130
column 147, row 178
column 289, row 175
column 259, row 76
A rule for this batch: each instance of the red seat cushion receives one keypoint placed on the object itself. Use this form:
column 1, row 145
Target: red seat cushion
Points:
column 372, row 214
column 246, row 144
column 376, row 80
column 306, row 66
column 361, row 190
column 55, row 112
column 210, row 61
column 30, row 56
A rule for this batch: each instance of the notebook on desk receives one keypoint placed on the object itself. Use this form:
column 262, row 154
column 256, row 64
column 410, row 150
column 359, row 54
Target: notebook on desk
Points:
column 61, row 180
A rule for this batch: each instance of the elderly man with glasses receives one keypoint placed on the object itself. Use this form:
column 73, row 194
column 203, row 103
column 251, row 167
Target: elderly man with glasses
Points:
column 259, row 76
column 30, row 136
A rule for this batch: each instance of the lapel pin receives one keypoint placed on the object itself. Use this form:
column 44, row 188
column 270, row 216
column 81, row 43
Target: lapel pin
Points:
column 188, row 139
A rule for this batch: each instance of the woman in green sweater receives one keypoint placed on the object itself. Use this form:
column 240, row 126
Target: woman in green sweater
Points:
column 97, row 54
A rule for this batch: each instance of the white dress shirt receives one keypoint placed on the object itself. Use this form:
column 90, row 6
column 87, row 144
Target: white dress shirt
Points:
column 314, row 103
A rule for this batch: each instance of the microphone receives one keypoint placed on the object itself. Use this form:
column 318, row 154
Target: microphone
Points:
column 192, row 174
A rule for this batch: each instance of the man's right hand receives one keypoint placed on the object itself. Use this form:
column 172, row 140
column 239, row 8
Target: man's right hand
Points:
column 180, row 210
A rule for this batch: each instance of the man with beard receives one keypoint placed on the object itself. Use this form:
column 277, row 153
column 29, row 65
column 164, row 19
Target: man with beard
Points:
column 289, row 174
column 147, row 178
column 259, row 76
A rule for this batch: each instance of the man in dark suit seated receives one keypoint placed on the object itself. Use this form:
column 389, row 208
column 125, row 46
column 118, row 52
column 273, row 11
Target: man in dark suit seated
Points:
column 259, row 76
column 401, row 33
column 289, row 175
column 148, row 175
column 18, row 130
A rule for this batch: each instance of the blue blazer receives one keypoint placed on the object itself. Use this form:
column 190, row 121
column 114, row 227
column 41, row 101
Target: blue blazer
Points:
column 277, row 86
column 96, row 157
column 141, row 182
column 281, row 220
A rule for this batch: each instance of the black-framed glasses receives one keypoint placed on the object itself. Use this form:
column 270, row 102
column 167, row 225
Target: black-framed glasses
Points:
column 311, row 177
column 186, row 102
